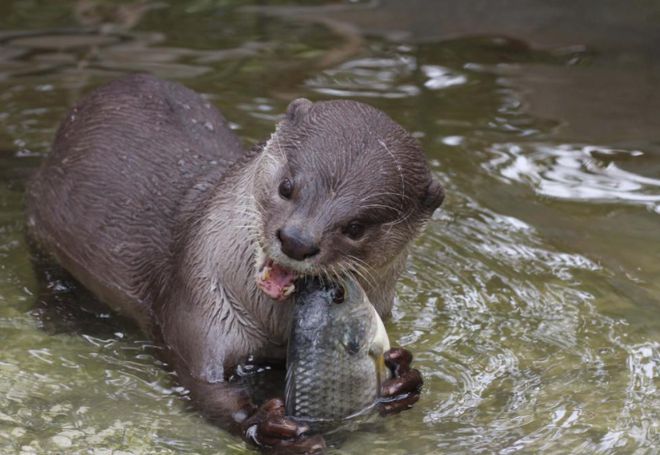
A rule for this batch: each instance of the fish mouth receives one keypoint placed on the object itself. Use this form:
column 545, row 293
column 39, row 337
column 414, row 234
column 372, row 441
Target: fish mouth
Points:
column 276, row 280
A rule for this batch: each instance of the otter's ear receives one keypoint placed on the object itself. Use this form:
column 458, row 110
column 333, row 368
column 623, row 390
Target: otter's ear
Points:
column 298, row 109
column 433, row 196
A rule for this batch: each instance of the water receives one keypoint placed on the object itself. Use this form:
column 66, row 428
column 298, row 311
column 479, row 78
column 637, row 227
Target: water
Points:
column 531, row 302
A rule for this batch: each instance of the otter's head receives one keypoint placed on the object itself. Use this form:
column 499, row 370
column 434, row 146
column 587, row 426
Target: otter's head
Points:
column 340, row 188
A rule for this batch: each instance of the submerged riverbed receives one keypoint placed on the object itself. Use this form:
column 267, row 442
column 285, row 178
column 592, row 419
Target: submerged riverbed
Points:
column 531, row 302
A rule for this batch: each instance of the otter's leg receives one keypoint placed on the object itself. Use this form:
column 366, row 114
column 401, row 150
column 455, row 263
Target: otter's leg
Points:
column 230, row 406
column 269, row 428
column 403, row 389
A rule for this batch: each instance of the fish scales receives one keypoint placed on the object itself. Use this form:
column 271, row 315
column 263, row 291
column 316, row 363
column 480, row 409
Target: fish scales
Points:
column 334, row 361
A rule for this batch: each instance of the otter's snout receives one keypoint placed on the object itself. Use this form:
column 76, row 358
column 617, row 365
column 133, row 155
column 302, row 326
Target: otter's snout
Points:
column 296, row 244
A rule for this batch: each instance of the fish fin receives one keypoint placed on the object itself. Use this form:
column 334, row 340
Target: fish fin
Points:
column 379, row 345
column 355, row 338
column 352, row 344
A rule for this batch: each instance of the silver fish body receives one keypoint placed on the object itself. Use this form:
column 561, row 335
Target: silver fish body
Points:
column 335, row 354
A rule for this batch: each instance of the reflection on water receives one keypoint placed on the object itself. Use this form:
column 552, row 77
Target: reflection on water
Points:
column 531, row 302
column 387, row 78
column 368, row 77
column 110, row 53
column 587, row 173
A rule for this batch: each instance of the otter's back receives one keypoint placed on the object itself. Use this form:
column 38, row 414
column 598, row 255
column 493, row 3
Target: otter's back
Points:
column 105, row 201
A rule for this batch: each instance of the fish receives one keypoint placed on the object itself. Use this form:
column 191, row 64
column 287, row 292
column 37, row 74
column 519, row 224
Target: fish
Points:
column 335, row 363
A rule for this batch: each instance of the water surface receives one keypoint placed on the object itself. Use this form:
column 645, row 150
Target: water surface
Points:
column 532, row 300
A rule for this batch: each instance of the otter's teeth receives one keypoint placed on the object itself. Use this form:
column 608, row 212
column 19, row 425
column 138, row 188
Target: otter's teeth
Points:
column 288, row 290
column 265, row 274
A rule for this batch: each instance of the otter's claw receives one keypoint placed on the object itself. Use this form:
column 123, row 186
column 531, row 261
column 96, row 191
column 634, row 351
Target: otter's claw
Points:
column 403, row 389
column 270, row 429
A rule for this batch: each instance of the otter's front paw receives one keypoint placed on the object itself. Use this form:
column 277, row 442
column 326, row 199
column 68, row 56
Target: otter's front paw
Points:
column 270, row 429
column 402, row 390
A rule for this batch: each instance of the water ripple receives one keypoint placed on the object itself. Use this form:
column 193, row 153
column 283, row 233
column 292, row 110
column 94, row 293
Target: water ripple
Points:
column 368, row 77
column 383, row 77
column 574, row 172
column 525, row 361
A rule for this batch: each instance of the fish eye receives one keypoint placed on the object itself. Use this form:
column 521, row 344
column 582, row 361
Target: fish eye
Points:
column 354, row 230
column 338, row 295
column 286, row 188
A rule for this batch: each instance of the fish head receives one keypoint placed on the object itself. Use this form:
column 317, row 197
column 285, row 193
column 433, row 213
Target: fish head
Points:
column 332, row 299
column 337, row 313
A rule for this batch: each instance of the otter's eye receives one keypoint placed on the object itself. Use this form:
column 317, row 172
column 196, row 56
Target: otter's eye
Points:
column 338, row 295
column 354, row 230
column 286, row 188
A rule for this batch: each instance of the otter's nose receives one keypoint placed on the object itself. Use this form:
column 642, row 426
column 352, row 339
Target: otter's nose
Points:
column 296, row 244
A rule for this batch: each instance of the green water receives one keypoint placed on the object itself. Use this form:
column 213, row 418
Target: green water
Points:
column 532, row 300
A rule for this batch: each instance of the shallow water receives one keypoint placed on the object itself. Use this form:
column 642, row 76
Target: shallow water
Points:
column 531, row 302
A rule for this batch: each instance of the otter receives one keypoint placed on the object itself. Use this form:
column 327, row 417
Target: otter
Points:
column 149, row 201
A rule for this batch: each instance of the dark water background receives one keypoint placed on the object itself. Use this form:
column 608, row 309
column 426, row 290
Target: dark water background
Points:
column 531, row 302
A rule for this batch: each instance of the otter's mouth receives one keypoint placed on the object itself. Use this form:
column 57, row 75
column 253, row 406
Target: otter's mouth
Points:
column 275, row 280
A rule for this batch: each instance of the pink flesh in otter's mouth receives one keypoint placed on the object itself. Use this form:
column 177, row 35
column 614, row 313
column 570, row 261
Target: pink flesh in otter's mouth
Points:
column 276, row 281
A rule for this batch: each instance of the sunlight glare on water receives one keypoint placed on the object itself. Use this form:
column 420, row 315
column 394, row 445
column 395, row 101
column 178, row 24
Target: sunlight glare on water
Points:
column 587, row 173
